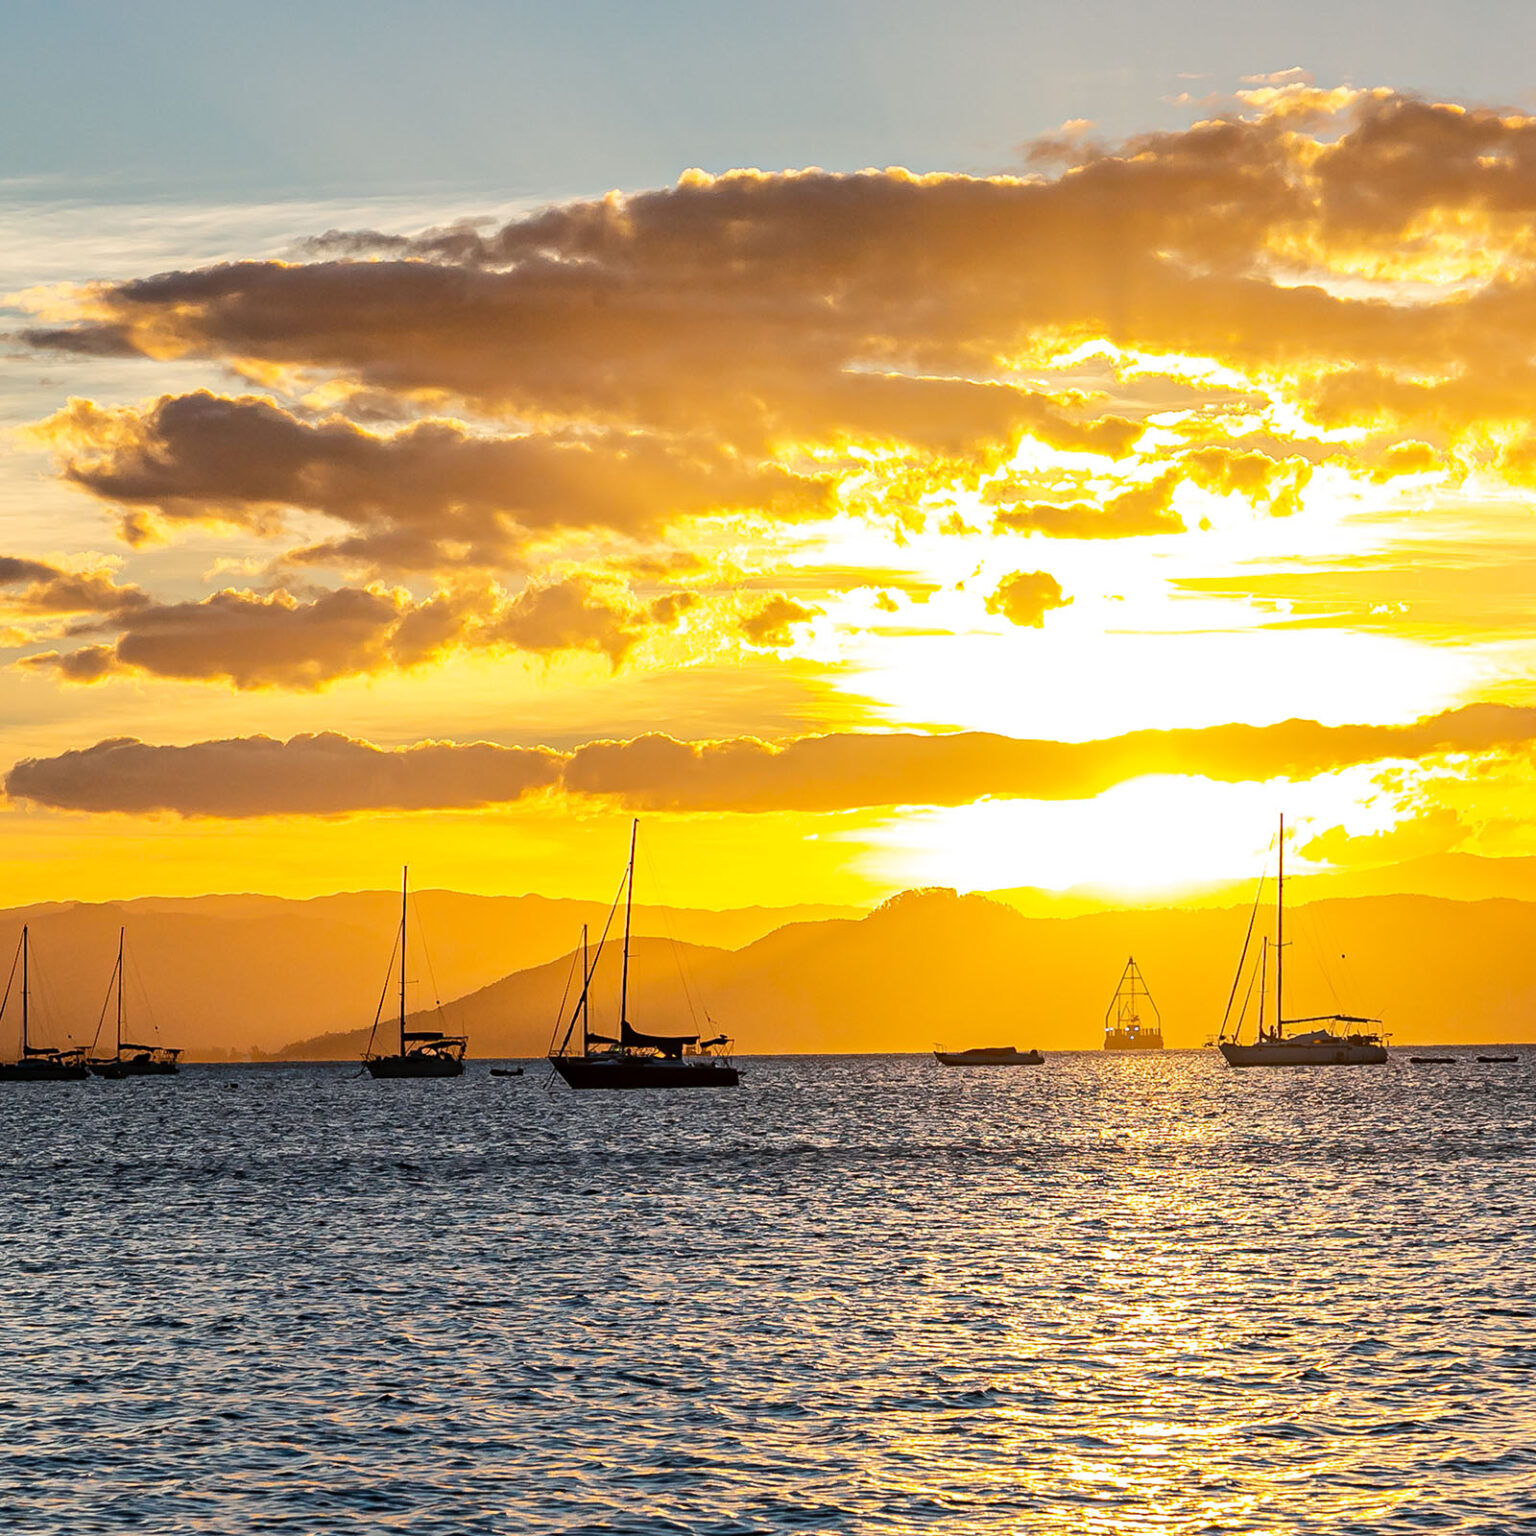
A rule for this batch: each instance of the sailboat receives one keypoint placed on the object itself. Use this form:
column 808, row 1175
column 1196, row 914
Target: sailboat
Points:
column 1126, row 1032
column 1331, row 1041
column 423, row 1052
column 141, row 1060
column 633, row 1059
column 37, row 1063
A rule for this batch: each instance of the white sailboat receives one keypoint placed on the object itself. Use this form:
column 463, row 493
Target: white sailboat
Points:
column 1329, row 1039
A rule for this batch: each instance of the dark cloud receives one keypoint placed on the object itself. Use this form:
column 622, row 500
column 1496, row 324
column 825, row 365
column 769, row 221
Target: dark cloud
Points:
column 307, row 776
column 256, row 776
column 266, row 641
column 277, row 640
column 831, row 773
column 430, row 495
column 35, row 588
column 755, row 307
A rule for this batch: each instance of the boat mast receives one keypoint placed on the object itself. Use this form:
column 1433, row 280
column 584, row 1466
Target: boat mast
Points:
column 404, row 872
column 586, row 986
column 24, row 1047
column 1280, row 935
column 629, row 899
column 119, row 1051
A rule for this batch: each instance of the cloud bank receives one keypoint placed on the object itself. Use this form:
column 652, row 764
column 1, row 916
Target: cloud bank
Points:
column 332, row 774
column 471, row 405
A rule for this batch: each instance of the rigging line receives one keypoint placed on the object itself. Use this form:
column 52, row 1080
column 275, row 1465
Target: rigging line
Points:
column 565, row 992
column 15, row 961
column 421, row 934
column 1314, row 940
column 389, row 976
column 49, row 1010
column 1237, row 975
column 1253, row 976
column 143, row 993
column 671, row 936
column 597, row 954
column 101, row 1018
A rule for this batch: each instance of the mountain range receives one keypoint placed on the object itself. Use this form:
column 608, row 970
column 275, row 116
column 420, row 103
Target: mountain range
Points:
column 252, row 976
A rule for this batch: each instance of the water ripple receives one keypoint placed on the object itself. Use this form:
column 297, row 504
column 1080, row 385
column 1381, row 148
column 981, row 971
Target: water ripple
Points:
column 858, row 1295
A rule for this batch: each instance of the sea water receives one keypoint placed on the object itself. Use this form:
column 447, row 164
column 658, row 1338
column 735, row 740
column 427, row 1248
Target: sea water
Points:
column 1109, row 1294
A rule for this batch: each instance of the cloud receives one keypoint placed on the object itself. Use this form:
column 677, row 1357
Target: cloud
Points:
column 278, row 640
column 775, row 348
column 308, row 776
column 573, row 615
column 757, row 307
column 1248, row 473
column 1451, row 592
column 1437, row 829
column 1134, row 513
column 1026, row 597
column 35, row 587
column 265, row 641
column 255, row 776
column 772, row 625
column 426, row 496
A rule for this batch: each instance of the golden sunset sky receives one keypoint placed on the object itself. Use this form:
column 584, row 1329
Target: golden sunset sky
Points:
column 1143, row 446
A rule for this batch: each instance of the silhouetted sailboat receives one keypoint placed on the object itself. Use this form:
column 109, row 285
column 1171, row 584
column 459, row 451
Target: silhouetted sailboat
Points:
column 634, row 1059
column 37, row 1063
column 141, row 1060
column 1273, row 1047
column 423, row 1052
column 1124, row 1028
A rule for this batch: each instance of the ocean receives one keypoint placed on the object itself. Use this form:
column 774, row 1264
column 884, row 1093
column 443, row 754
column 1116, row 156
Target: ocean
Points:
column 861, row 1294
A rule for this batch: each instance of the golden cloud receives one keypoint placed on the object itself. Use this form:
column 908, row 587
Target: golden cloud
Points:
column 278, row 640
column 784, row 347
column 331, row 774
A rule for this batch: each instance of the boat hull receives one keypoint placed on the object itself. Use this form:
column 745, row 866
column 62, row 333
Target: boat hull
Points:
column 1335, row 1053
column 41, row 1072
column 414, row 1066
column 1118, row 1042
column 116, row 1071
column 989, row 1058
column 624, row 1072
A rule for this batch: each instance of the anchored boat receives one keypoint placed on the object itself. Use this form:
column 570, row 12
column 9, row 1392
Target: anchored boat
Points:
column 140, row 1060
column 632, row 1058
column 423, row 1052
column 1124, row 1028
column 37, row 1063
column 1333, row 1039
column 988, row 1056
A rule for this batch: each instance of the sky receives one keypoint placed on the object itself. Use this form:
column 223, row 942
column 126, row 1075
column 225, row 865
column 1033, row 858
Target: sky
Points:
column 877, row 444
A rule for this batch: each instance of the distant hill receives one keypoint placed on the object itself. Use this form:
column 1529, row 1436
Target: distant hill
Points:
column 225, row 974
column 931, row 967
